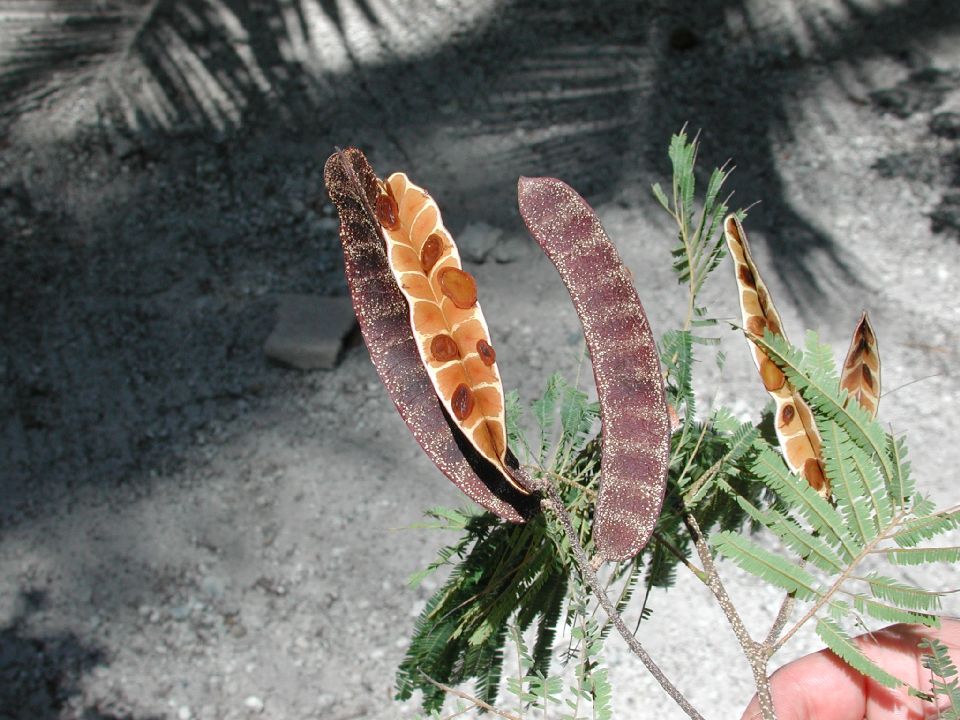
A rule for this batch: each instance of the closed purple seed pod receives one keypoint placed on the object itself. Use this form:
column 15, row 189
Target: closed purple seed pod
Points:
column 633, row 409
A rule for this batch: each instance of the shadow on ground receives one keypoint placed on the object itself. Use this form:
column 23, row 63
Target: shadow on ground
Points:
column 141, row 254
column 40, row 673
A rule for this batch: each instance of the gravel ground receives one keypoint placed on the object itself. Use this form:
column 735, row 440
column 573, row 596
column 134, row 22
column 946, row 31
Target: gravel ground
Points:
column 188, row 531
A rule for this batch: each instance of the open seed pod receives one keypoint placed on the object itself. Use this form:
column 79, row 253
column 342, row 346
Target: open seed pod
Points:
column 633, row 408
column 860, row 374
column 793, row 421
column 449, row 423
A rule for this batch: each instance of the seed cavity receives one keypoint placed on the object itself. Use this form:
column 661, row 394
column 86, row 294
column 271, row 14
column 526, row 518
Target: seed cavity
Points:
column 444, row 348
column 388, row 214
column 756, row 325
column 746, row 277
column 459, row 286
column 486, row 352
column 430, row 252
column 462, row 402
column 772, row 376
column 813, row 472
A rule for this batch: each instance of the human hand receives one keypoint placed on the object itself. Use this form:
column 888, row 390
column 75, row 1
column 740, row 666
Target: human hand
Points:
column 820, row 686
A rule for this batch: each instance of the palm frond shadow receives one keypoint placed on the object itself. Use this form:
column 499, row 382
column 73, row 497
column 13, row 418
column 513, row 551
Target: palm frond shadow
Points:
column 589, row 92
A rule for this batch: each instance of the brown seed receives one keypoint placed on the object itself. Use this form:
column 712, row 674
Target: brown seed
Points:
column 462, row 402
column 787, row 414
column 388, row 214
column 756, row 325
column 867, row 377
column 459, row 286
column 430, row 252
column 486, row 352
column 443, row 348
column 746, row 277
column 772, row 376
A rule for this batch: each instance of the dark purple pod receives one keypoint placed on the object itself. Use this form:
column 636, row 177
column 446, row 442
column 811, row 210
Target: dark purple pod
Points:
column 633, row 408
column 384, row 320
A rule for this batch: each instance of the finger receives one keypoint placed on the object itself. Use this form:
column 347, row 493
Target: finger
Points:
column 819, row 686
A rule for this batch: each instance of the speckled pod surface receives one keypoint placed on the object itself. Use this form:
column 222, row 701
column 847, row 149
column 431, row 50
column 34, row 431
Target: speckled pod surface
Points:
column 633, row 408
column 860, row 374
column 384, row 317
column 793, row 420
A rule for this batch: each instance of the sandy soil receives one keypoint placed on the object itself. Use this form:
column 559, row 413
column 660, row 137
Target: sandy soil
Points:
column 187, row 531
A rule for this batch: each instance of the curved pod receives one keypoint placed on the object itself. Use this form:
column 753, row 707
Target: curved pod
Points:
column 384, row 317
column 633, row 409
column 793, row 421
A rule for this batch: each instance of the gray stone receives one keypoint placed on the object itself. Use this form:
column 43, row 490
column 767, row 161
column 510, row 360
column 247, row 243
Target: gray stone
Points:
column 477, row 241
column 310, row 331
column 510, row 248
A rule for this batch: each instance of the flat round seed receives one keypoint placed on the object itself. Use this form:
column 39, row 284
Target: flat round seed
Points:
column 462, row 402
column 430, row 252
column 486, row 352
column 459, row 286
column 388, row 214
column 443, row 348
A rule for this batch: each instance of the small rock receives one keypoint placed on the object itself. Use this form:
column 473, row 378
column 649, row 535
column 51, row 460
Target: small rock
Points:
column 184, row 713
column 213, row 587
column 477, row 241
column 946, row 124
column 181, row 612
column 254, row 704
column 310, row 331
column 509, row 249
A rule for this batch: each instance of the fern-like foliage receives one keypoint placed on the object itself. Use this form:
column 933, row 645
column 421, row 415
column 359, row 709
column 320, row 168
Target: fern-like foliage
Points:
column 513, row 584
column 874, row 512
column 944, row 679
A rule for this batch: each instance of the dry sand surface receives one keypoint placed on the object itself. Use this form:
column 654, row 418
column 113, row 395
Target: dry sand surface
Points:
column 190, row 531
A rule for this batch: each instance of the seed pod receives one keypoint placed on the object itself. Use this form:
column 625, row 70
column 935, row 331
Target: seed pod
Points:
column 860, row 375
column 793, row 420
column 384, row 317
column 443, row 304
column 633, row 408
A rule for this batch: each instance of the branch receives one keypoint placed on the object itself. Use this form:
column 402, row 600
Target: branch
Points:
column 554, row 503
column 470, row 698
column 755, row 653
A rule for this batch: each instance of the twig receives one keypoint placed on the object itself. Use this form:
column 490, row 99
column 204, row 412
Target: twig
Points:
column 756, row 653
column 786, row 607
column 554, row 503
column 470, row 698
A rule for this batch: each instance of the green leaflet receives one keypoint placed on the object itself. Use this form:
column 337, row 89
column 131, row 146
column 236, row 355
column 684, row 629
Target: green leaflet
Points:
column 544, row 411
column 797, row 494
column 765, row 564
column 851, row 490
column 901, row 483
column 906, row 596
column 888, row 613
column 913, row 532
column 944, row 676
column 837, row 640
column 807, row 545
column 920, row 556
